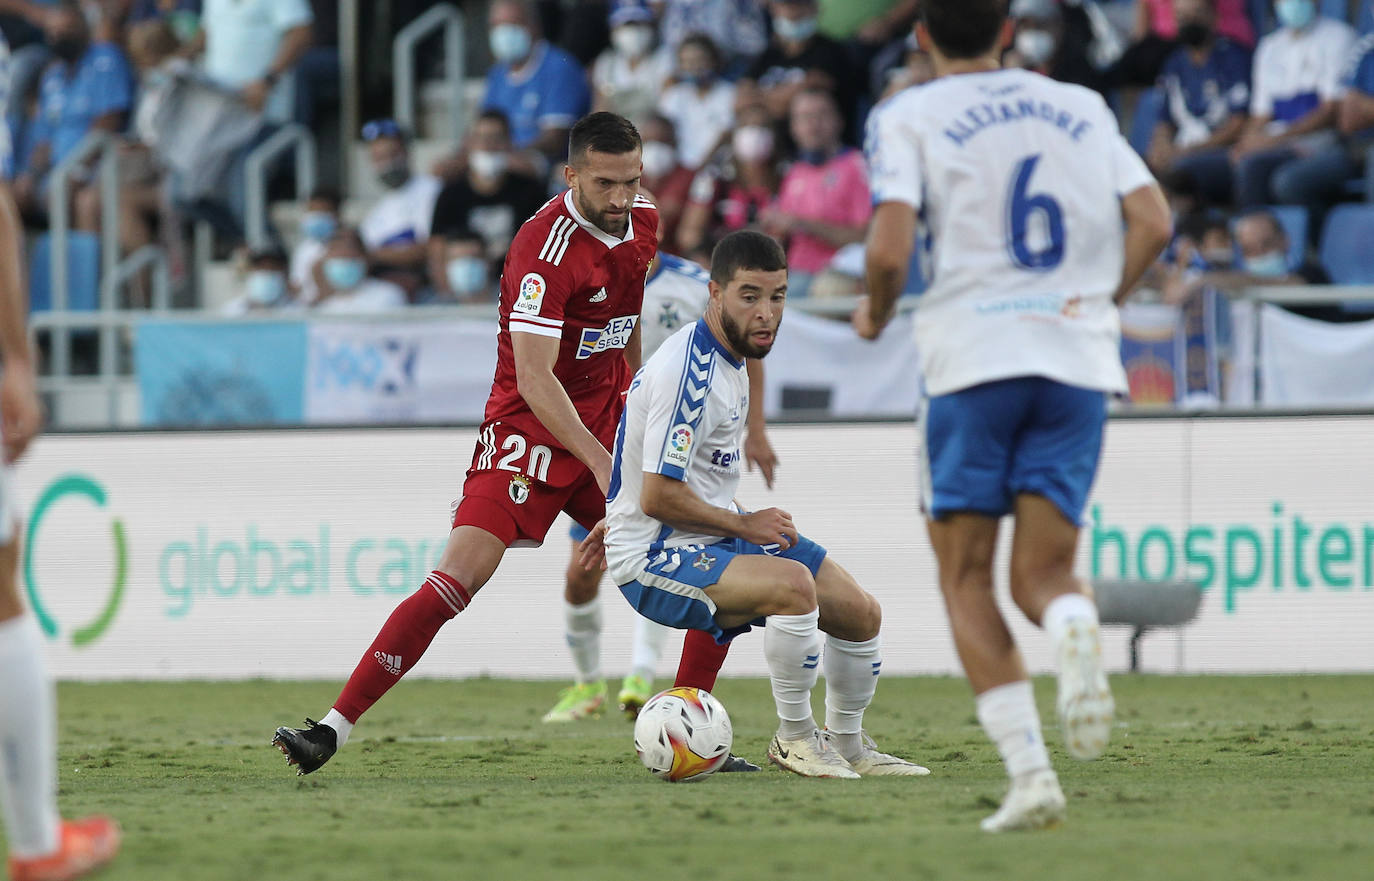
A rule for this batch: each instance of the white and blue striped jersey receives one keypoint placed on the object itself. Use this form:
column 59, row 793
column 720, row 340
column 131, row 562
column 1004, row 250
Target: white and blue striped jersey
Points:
column 684, row 418
column 674, row 295
column 1017, row 181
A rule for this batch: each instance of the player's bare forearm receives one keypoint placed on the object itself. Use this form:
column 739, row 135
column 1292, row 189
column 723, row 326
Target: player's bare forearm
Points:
column 549, row 402
column 672, row 502
column 758, row 451
column 14, row 307
column 1149, row 227
column 891, row 236
column 634, row 349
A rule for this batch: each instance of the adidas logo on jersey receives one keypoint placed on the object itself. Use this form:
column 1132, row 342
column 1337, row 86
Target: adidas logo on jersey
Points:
column 391, row 663
column 598, row 297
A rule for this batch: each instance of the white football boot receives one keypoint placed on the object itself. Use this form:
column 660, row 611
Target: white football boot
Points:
column 1033, row 802
column 810, row 756
column 871, row 763
column 1085, row 701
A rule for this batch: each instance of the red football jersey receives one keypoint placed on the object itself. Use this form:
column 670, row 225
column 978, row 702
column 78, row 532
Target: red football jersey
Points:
column 567, row 279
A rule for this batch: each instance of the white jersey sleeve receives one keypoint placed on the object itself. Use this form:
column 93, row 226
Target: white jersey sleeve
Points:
column 674, row 296
column 894, row 167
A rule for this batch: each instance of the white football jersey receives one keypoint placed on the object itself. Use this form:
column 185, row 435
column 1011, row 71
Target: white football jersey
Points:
column 675, row 295
column 684, row 418
column 1016, row 180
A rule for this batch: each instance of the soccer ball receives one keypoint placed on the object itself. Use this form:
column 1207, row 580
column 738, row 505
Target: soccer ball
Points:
column 683, row 734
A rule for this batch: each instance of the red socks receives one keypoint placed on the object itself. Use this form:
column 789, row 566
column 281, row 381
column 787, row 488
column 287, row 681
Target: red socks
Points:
column 702, row 658
column 402, row 640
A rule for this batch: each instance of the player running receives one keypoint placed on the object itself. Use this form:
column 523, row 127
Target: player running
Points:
column 675, row 293
column 686, row 555
column 1022, row 185
column 42, row 846
column 571, row 292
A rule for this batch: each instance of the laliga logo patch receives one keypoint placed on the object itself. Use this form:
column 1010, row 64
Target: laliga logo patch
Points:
column 682, row 438
column 679, row 442
column 519, row 489
column 531, row 296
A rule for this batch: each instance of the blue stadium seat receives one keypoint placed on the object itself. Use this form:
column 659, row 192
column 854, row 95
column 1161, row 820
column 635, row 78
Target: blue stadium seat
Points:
column 83, row 273
column 1146, row 115
column 1333, row 9
column 1346, row 254
column 1364, row 19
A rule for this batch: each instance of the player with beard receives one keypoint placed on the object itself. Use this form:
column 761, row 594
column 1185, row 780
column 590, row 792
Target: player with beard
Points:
column 686, row 555
column 571, row 293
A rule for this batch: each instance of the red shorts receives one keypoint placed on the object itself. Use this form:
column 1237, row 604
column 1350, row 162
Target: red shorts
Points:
column 515, row 489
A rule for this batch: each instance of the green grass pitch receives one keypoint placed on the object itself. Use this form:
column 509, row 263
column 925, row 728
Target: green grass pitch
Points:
column 1206, row 777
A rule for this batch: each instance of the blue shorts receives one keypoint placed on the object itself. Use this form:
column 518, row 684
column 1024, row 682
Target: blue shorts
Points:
column 578, row 533
column 987, row 444
column 672, row 591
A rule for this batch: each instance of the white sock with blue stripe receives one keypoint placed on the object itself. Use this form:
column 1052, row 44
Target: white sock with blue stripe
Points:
column 648, row 647
column 851, row 678
column 583, row 630
column 792, row 645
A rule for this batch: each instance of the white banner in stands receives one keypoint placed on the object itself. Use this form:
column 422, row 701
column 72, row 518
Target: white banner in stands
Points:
column 279, row 554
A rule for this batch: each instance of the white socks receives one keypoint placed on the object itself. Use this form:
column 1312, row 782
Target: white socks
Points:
column 851, row 678
column 1011, row 721
column 1065, row 608
column 583, row 628
column 649, row 638
column 792, row 645
column 28, row 742
column 342, row 727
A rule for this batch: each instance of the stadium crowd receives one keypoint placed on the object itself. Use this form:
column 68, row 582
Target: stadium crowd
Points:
column 751, row 110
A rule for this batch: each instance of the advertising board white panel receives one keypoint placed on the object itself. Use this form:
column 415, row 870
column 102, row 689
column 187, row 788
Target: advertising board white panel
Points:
column 279, row 554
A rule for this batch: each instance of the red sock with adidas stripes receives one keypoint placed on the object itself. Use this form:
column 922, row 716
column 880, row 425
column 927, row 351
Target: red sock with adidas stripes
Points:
column 702, row 658
column 402, row 640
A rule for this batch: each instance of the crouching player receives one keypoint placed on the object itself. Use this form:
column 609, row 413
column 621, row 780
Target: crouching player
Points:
column 684, row 554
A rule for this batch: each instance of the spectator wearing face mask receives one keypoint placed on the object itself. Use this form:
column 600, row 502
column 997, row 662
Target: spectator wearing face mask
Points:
column 1052, row 39
column 265, row 287
column 489, row 199
column 397, row 227
column 823, row 203
column 462, row 261
column 799, row 57
column 629, row 76
column 731, row 191
column 1206, row 88
column 318, row 225
column 700, row 104
column 1296, row 84
column 88, row 88
column 346, row 286
column 540, row 88
column 666, row 178
column 737, row 28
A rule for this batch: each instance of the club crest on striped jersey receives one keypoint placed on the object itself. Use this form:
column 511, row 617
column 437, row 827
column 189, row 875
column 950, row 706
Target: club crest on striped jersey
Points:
column 519, row 489
column 531, row 297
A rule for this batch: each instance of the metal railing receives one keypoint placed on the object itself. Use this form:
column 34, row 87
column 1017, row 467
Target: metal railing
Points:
column 59, row 203
column 256, row 167
column 404, row 85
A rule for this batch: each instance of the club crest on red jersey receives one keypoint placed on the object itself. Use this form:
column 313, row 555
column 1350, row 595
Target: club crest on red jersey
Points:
column 519, row 489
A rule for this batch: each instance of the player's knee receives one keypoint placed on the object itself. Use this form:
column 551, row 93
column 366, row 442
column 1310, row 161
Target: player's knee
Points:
column 795, row 591
column 870, row 617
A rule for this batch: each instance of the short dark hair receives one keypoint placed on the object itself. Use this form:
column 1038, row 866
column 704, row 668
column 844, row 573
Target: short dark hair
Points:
column 964, row 28
column 704, row 42
column 745, row 249
column 271, row 255
column 1275, row 225
column 496, row 115
column 326, row 194
column 602, row 132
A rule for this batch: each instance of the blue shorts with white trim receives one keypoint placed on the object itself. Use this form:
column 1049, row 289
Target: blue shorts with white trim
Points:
column 672, row 590
column 982, row 446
